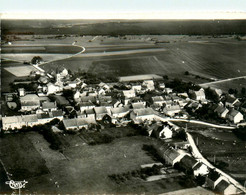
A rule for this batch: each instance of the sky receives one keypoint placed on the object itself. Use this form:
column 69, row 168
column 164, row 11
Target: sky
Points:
column 120, row 8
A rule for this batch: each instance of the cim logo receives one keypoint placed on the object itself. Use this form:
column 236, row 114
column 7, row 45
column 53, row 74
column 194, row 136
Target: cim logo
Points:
column 17, row 185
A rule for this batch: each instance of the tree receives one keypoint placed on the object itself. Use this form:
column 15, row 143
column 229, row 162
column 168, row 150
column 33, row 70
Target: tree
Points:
column 187, row 73
column 243, row 91
column 36, row 60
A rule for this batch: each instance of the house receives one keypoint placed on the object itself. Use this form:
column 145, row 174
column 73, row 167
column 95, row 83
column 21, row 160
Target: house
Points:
column 21, row 92
column 107, row 105
column 12, row 122
column 100, row 112
column 90, row 113
column 218, row 92
column 189, row 164
column 91, row 99
column 149, row 84
column 129, row 93
column 57, row 114
column 105, row 99
column 104, row 86
column 119, row 112
column 200, row 169
column 30, row 120
column 61, row 100
column 158, row 100
column 64, row 73
column 29, row 102
column 162, row 85
column 198, row 95
column 138, row 105
column 221, row 111
column 140, row 115
column 171, row 110
column 170, row 155
column 234, row 116
column 81, row 114
column 72, row 84
column 223, row 187
column 86, row 105
column 137, row 88
column 162, row 131
column 213, row 178
column 49, row 106
column 44, row 118
column 70, row 124
column 168, row 90
column 76, row 96
column 231, row 101
column 52, row 89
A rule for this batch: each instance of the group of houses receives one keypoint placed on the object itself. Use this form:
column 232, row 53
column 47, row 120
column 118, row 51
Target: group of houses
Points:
column 184, row 161
column 229, row 109
column 122, row 102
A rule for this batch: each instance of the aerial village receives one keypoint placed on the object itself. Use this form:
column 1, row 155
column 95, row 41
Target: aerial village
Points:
column 148, row 104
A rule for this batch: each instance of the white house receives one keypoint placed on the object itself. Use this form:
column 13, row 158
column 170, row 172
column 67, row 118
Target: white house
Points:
column 119, row 112
column 149, row 84
column 52, row 89
column 21, row 92
column 198, row 95
column 235, row 116
column 129, row 93
column 158, row 100
column 137, row 88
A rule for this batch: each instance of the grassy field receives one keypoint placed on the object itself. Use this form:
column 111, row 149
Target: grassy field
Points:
column 81, row 168
column 20, row 157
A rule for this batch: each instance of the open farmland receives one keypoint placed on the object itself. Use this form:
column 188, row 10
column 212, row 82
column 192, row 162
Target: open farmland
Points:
column 215, row 59
column 81, row 168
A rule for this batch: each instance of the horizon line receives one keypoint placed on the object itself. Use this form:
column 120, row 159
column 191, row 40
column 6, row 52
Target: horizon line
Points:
column 226, row 15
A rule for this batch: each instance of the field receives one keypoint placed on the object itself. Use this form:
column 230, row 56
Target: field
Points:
column 20, row 71
column 81, row 168
column 217, row 58
column 123, row 27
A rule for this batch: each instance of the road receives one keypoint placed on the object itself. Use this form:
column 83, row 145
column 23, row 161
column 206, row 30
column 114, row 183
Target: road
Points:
column 221, row 81
column 196, row 153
